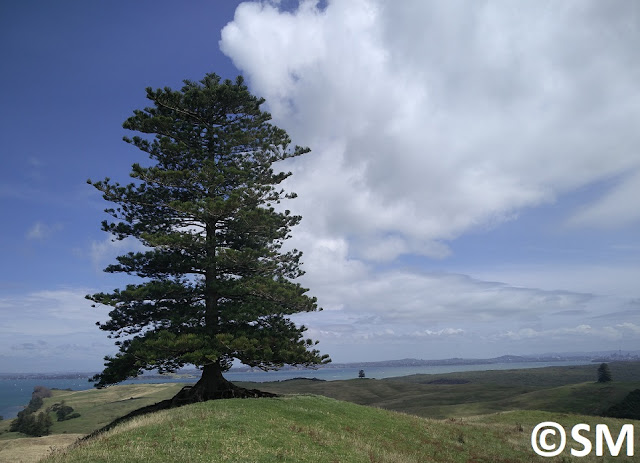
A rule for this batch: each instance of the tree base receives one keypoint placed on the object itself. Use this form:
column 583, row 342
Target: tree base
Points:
column 205, row 389
column 192, row 394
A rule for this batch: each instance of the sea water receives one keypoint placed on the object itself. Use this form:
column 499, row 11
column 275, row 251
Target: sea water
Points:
column 15, row 390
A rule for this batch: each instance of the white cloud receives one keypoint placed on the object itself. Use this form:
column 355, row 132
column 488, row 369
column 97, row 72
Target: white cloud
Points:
column 635, row 329
column 40, row 231
column 612, row 279
column 606, row 332
column 103, row 253
column 442, row 332
column 429, row 119
column 613, row 210
column 464, row 314
column 41, row 313
column 52, row 330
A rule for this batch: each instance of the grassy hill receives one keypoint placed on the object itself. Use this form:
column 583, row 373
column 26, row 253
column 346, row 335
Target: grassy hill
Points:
column 314, row 429
column 567, row 389
column 472, row 416
column 97, row 408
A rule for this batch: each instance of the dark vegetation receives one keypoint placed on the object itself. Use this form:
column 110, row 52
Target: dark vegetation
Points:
column 63, row 412
column 39, row 424
column 628, row 408
column 30, row 423
column 604, row 373
column 216, row 284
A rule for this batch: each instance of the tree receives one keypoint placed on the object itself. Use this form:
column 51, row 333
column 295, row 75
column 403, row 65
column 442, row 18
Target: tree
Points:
column 217, row 285
column 361, row 374
column 31, row 424
column 604, row 374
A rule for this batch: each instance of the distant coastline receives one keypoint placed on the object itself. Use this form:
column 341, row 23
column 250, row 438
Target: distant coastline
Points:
column 15, row 389
column 189, row 373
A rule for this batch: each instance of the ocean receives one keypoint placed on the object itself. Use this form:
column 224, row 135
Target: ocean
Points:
column 15, row 390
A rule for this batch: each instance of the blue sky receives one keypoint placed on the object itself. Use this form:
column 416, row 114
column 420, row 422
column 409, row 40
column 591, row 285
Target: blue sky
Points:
column 472, row 188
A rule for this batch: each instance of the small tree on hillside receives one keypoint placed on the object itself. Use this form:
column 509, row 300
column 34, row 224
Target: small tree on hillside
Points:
column 217, row 285
column 361, row 374
column 604, row 374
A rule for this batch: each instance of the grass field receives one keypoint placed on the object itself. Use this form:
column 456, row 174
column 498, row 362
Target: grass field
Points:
column 97, row 408
column 560, row 389
column 316, row 429
column 498, row 408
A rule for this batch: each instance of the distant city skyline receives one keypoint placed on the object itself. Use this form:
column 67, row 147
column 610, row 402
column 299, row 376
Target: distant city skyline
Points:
column 471, row 190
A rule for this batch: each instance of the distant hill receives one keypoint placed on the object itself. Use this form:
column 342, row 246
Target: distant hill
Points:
column 483, row 416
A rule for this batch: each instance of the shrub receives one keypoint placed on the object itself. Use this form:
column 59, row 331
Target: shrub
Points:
column 63, row 412
column 604, row 374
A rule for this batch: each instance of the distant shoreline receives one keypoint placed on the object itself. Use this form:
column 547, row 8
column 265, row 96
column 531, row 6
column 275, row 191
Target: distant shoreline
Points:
column 189, row 373
column 15, row 390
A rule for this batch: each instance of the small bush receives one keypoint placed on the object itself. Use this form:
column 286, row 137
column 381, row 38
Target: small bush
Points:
column 604, row 373
column 63, row 412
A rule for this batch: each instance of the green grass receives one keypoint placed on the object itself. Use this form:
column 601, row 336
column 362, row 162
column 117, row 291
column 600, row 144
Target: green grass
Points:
column 567, row 389
column 480, row 419
column 315, row 429
column 98, row 407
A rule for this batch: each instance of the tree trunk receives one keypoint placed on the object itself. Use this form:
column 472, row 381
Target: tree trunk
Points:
column 212, row 385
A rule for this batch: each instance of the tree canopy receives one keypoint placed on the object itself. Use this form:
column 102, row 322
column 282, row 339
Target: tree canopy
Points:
column 216, row 284
column 604, row 373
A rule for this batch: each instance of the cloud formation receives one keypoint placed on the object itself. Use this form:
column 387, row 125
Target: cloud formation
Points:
column 52, row 330
column 430, row 119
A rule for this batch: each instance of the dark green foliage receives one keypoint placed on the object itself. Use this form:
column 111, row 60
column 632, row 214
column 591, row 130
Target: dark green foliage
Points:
column 361, row 374
column 216, row 285
column 27, row 422
column 63, row 412
column 31, row 424
column 604, row 374
column 33, row 405
column 628, row 408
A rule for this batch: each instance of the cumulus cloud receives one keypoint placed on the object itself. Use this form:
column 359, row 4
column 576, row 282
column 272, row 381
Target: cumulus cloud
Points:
column 429, row 119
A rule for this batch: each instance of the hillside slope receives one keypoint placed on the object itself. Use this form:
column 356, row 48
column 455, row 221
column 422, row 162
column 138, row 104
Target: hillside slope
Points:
column 309, row 429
